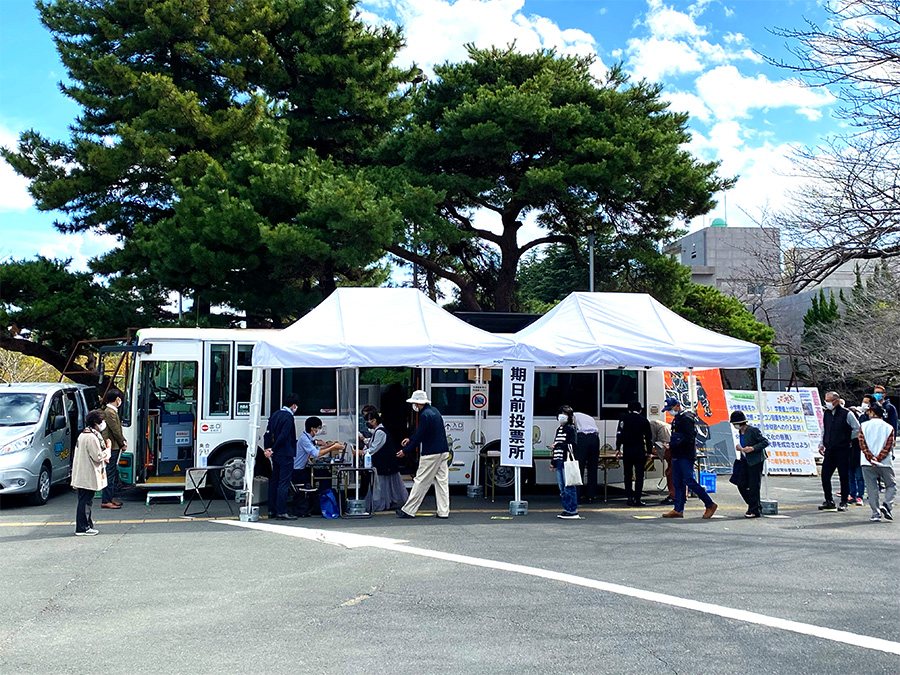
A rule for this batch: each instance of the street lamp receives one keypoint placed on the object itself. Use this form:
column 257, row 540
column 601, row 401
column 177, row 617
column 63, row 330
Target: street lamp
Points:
column 590, row 230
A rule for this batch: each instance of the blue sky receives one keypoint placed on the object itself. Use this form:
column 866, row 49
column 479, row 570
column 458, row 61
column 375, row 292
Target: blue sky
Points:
column 707, row 53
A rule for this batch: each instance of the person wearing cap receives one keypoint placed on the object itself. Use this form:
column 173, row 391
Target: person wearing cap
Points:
column 751, row 449
column 890, row 412
column 431, row 436
column 683, row 445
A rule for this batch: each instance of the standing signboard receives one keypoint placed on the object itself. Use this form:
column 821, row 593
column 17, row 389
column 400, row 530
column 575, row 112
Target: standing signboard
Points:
column 516, row 415
column 789, row 451
column 812, row 411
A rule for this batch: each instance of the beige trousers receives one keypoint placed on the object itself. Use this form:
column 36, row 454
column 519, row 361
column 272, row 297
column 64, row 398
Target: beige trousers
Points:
column 432, row 469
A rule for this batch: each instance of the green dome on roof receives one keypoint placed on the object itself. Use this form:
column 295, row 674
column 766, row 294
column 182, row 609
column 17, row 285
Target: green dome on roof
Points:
column 718, row 222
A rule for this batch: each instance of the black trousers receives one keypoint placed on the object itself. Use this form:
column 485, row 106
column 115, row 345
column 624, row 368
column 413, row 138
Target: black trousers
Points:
column 749, row 487
column 588, row 455
column 633, row 463
column 840, row 461
column 279, row 484
column 83, row 520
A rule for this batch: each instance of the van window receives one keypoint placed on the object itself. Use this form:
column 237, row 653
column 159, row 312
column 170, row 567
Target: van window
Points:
column 19, row 410
column 56, row 408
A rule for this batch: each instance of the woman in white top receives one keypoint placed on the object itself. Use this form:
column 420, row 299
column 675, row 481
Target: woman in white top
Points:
column 89, row 470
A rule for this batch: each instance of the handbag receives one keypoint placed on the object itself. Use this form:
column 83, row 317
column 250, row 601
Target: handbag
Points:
column 571, row 470
column 737, row 473
column 329, row 505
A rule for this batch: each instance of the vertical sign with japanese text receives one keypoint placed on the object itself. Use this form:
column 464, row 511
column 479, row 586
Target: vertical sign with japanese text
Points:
column 516, row 415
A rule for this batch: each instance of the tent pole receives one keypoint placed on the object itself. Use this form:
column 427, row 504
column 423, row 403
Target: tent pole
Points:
column 760, row 406
column 256, row 387
column 518, row 495
column 356, row 428
column 479, row 414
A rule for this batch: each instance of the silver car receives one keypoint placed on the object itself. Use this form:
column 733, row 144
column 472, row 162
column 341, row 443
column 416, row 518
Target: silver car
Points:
column 39, row 424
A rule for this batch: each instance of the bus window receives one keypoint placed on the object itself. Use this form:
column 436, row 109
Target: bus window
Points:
column 450, row 399
column 218, row 393
column 243, row 380
column 619, row 387
column 316, row 387
column 553, row 389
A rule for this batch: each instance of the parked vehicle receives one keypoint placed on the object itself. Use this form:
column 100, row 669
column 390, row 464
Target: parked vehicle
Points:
column 39, row 425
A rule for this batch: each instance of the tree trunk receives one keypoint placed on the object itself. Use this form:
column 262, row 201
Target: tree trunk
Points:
column 505, row 290
column 75, row 373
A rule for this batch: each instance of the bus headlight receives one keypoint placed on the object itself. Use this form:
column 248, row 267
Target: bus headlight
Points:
column 17, row 445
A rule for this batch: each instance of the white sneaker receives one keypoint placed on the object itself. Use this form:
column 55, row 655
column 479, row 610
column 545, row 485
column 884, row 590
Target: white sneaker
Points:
column 90, row 532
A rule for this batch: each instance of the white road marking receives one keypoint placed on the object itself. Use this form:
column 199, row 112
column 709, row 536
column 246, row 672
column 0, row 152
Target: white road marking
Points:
column 351, row 540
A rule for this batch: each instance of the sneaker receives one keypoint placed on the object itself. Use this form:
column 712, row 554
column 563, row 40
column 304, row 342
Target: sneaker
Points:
column 887, row 511
column 673, row 514
column 876, row 518
column 90, row 532
column 565, row 515
column 859, row 501
column 842, row 506
column 668, row 501
column 828, row 506
column 710, row 510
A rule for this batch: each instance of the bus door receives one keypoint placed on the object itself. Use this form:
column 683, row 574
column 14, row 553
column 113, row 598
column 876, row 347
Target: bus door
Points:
column 167, row 418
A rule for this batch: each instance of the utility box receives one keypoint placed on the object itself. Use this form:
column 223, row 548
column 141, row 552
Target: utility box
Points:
column 177, row 448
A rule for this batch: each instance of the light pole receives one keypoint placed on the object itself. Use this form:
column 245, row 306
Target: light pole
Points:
column 590, row 229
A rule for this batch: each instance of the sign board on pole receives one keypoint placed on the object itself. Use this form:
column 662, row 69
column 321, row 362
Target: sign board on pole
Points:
column 478, row 396
column 812, row 411
column 516, row 415
column 790, row 452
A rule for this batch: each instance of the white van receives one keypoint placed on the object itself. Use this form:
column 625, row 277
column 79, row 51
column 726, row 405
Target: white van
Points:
column 39, row 425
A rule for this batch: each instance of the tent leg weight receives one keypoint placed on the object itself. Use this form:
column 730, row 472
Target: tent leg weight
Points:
column 518, row 508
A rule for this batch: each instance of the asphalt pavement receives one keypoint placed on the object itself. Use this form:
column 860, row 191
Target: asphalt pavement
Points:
column 482, row 592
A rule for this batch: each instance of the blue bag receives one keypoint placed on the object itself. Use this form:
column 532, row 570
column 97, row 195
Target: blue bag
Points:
column 329, row 505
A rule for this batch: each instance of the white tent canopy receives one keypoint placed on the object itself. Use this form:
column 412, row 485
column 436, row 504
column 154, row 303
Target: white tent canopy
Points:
column 380, row 327
column 627, row 330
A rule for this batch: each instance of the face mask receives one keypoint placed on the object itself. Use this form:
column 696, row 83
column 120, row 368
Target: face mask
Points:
column 829, row 405
column 102, row 426
column 878, row 397
column 864, row 406
column 563, row 418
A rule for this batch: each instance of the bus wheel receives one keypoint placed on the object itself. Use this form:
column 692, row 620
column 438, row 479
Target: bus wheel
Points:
column 232, row 480
column 503, row 478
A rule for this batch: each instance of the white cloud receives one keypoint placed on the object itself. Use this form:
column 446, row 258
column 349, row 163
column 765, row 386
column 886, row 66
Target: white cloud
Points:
column 654, row 58
column 667, row 22
column 438, row 30
column 79, row 247
column 731, row 95
column 692, row 104
column 13, row 187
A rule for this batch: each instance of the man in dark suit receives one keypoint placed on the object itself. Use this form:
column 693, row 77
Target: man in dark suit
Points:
column 280, row 445
column 751, row 446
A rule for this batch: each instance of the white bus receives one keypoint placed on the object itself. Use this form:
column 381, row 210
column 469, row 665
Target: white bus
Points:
column 187, row 404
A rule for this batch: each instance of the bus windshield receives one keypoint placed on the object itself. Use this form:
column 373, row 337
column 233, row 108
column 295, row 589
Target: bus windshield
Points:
column 19, row 410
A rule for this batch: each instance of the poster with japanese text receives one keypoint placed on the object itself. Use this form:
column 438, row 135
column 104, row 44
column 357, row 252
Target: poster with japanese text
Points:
column 812, row 411
column 790, row 451
column 713, row 430
column 516, row 415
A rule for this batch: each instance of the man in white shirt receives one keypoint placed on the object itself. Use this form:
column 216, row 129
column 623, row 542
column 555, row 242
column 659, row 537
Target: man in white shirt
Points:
column 587, row 453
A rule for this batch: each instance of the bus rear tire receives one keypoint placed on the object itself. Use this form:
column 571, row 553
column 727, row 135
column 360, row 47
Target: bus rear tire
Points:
column 231, row 480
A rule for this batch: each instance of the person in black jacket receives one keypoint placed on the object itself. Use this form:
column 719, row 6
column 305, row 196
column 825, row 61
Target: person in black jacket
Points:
column 433, row 458
column 751, row 446
column 841, row 427
column 280, row 445
column 636, row 437
column 683, row 445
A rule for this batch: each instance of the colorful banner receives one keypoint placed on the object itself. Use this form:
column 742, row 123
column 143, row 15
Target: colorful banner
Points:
column 713, row 430
column 790, row 451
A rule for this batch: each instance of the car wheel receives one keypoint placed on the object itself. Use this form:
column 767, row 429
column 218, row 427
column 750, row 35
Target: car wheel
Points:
column 40, row 496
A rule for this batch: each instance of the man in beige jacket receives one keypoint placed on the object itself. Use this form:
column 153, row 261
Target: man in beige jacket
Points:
column 113, row 433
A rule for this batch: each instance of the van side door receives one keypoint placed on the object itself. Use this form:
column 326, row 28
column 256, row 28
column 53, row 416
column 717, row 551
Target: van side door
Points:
column 57, row 437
